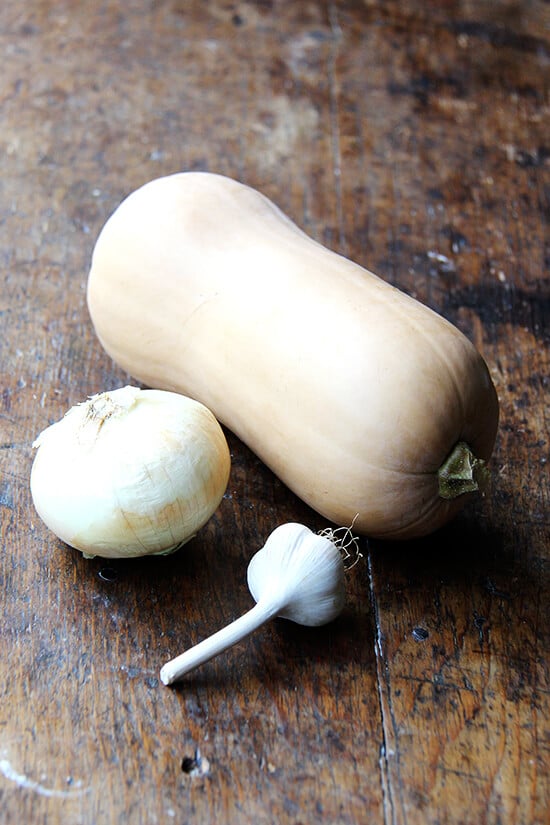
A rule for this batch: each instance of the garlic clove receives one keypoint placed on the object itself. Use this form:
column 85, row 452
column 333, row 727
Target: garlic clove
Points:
column 297, row 575
column 130, row 472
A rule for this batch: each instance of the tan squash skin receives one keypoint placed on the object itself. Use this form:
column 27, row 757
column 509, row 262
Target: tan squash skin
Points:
column 350, row 391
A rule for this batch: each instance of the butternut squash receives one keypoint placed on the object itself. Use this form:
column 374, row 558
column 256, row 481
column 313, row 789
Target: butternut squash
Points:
column 368, row 405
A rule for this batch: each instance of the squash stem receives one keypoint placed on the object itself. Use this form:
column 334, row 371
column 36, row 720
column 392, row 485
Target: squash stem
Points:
column 461, row 472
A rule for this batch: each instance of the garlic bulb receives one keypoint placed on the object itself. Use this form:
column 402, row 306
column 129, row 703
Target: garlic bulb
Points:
column 302, row 571
column 130, row 472
column 297, row 575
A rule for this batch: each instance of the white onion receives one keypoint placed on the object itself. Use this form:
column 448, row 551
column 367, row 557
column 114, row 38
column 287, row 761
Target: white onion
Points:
column 130, row 472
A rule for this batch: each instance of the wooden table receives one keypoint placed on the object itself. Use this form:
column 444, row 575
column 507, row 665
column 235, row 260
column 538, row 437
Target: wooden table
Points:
column 412, row 137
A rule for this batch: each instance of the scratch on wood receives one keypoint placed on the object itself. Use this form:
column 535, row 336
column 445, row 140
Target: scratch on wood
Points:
column 6, row 497
column 9, row 772
column 334, row 124
column 389, row 746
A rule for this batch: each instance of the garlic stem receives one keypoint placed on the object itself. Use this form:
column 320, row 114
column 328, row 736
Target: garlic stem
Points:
column 220, row 641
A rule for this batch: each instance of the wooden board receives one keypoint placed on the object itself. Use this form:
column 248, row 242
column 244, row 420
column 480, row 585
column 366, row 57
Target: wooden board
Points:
column 412, row 137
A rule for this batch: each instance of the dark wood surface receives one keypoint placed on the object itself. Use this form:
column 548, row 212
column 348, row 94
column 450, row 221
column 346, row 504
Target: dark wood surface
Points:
column 413, row 137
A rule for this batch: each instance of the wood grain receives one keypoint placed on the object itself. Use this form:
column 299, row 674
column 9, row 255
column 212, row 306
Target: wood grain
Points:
column 412, row 137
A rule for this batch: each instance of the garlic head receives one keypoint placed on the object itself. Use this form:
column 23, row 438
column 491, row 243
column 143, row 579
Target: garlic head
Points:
column 130, row 472
column 302, row 569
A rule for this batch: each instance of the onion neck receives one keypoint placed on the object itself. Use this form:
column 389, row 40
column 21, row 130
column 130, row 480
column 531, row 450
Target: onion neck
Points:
column 461, row 473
